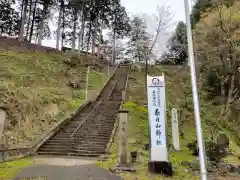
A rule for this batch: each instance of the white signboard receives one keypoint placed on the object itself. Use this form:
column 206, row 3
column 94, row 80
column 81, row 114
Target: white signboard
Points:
column 156, row 115
column 175, row 130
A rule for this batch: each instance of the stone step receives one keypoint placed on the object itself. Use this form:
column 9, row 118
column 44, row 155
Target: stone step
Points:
column 98, row 123
column 90, row 141
column 93, row 134
column 65, row 139
column 56, row 143
column 92, row 126
column 77, row 154
column 90, row 130
column 89, row 148
column 79, row 138
column 72, row 145
column 69, row 154
column 84, row 133
column 89, row 151
column 90, row 138
column 58, row 140
column 53, row 149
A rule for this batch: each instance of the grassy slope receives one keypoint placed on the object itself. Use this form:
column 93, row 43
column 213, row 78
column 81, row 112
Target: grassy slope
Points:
column 204, row 29
column 176, row 85
column 9, row 170
column 35, row 85
column 29, row 84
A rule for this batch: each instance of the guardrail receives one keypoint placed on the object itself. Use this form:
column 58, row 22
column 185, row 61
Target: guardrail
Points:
column 7, row 154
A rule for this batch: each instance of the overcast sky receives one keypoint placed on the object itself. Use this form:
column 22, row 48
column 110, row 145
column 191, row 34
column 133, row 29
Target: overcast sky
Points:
column 148, row 7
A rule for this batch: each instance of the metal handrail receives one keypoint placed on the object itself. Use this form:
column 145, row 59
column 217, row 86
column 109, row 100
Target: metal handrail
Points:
column 84, row 120
column 113, row 88
column 114, row 71
column 92, row 109
column 125, row 89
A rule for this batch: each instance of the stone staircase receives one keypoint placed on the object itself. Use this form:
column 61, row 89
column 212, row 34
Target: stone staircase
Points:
column 88, row 133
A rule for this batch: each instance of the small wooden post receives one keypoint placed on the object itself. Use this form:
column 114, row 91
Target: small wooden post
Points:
column 181, row 122
column 123, row 120
column 86, row 90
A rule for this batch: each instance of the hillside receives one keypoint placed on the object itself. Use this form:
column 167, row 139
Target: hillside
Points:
column 40, row 86
column 210, row 19
column 178, row 90
column 219, row 117
column 217, row 45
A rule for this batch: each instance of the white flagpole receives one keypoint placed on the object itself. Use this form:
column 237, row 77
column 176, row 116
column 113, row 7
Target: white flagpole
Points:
column 195, row 94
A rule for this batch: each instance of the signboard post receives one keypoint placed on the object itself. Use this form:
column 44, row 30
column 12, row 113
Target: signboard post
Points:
column 175, row 129
column 159, row 159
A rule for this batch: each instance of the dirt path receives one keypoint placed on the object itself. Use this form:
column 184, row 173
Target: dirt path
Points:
column 64, row 169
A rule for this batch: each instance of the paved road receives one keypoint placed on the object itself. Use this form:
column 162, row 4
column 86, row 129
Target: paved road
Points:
column 64, row 169
column 48, row 172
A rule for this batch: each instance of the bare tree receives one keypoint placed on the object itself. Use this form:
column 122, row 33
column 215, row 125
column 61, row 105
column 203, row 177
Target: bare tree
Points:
column 164, row 18
column 221, row 67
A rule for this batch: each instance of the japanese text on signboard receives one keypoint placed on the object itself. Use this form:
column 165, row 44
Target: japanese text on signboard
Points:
column 156, row 100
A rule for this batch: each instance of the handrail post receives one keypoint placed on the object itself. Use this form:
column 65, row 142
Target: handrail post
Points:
column 108, row 69
column 86, row 90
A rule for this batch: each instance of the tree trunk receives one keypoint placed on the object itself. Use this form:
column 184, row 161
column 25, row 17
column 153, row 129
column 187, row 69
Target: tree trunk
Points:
column 22, row 6
column 89, row 36
column 146, row 72
column 33, row 20
column 99, row 42
column 63, row 27
column 79, row 42
column 74, row 29
column 93, row 46
column 24, row 15
column 41, row 26
column 90, row 26
column 59, row 25
column 81, row 33
column 113, row 46
column 29, row 18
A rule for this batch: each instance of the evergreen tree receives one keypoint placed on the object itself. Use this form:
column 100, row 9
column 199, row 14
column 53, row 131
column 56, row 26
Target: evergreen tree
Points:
column 9, row 19
column 139, row 43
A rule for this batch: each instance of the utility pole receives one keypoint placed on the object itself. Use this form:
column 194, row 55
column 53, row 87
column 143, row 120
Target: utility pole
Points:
column 195, row 94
